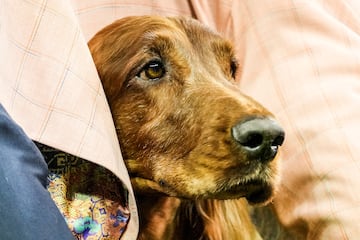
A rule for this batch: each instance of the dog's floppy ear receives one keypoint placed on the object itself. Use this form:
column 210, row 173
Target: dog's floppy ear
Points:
column 106, row 56
column 114, row 52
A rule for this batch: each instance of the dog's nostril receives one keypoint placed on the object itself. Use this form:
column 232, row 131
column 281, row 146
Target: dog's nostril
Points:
column 259, row 137
column 252, row 140
column 278, row 141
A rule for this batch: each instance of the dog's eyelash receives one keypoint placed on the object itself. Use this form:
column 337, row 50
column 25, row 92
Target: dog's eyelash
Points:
column 233, row 68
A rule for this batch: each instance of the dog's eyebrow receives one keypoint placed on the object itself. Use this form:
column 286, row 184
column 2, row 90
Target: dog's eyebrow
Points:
column 158, row 41
column 164, row 33
column 167, row 43
column 223, row 48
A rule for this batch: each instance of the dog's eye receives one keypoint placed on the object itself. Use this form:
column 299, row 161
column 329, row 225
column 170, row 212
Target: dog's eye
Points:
column 154, row 70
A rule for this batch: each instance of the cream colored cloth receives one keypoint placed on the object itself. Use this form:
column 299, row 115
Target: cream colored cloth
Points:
column 301, row 59
column 49, row 85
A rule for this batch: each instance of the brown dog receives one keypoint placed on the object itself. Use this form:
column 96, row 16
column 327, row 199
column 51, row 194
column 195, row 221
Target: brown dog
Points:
column 189, row 137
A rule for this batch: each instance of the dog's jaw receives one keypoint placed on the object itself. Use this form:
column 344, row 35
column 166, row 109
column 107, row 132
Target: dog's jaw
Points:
column 258, row 187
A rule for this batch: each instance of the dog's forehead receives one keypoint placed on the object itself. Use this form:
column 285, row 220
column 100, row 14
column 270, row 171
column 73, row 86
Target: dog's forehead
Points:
column 201, row 35
column 186, row 32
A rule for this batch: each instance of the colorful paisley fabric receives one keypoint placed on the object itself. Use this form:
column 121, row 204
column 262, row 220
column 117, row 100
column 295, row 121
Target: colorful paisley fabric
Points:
column 91, row 199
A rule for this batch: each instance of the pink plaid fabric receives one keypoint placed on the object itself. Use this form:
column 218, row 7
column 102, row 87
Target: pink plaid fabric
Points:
column 301, row 59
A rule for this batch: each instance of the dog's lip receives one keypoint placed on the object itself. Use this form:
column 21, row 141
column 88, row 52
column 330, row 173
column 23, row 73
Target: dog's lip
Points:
column 260, row 195
column 255, row 191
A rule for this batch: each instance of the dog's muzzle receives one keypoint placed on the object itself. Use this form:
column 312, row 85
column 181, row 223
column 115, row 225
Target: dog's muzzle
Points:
column 259, row 138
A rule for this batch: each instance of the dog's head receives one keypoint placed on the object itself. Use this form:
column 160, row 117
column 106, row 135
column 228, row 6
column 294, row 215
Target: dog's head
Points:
column 182, row 122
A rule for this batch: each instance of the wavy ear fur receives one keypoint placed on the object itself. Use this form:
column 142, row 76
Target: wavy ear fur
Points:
column 212, row 219
column 226, row 219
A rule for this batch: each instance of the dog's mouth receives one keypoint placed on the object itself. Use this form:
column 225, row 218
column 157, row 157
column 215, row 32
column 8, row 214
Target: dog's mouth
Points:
column 257, row 187
column 255, row 191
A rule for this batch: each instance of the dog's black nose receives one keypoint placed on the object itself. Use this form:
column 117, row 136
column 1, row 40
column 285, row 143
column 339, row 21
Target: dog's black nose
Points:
column 259, row 138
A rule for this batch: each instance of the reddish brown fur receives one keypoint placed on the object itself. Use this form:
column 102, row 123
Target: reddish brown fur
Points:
column 174, row 132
